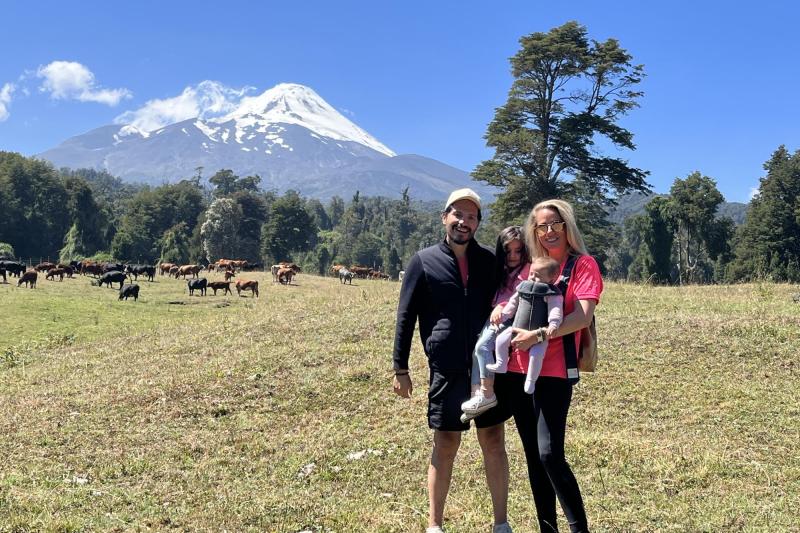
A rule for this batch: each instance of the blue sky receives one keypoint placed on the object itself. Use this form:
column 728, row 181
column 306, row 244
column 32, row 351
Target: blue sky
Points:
column 422, row 77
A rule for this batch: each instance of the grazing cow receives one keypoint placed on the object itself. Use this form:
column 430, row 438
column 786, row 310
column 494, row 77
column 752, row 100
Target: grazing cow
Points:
column 129, row 290
column 13, row 267
column 400, row 275
column 115, row 276
column 229, row 274
column 173, row 271
column 247, row 285
column 345, row 276
column 28, row 278
column 141, row 270
column 197, row 284
column 335, row 269
column 187, row 270
column 224, row 286
column 274, row 269
column 53, row 272
column 41, row 267
column 285, row 275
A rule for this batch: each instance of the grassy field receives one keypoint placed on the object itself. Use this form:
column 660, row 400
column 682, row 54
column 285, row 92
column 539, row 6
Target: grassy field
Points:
column 180, row 413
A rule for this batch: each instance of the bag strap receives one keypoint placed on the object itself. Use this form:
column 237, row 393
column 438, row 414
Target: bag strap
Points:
column 568, row 340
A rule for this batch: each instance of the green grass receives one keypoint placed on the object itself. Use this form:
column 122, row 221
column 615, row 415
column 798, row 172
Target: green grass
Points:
column 205, row 415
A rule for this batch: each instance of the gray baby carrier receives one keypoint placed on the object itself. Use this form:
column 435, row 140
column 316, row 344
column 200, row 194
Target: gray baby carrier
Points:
column 532, row 309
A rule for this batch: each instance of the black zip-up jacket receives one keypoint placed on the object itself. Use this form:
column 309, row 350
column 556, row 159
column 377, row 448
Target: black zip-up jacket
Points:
column 451, row 316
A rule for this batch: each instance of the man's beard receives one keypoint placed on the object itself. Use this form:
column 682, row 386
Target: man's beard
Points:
column 457, row 237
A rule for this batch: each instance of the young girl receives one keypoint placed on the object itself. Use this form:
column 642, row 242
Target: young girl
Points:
column 522, row 307
column 512, row 269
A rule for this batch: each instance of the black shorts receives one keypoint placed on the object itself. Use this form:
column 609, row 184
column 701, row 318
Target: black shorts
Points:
column 448, row 390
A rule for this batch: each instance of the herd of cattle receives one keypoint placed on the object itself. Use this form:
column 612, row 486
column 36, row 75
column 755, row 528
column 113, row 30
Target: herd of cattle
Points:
column 109, row 273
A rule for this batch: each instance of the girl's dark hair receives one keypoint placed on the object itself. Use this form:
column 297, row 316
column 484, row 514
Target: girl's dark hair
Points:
column 511, row 233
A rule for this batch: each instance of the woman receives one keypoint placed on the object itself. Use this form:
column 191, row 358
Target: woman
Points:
column 550, row 231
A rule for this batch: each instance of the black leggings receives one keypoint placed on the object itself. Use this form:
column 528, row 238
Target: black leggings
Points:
column 541, row 424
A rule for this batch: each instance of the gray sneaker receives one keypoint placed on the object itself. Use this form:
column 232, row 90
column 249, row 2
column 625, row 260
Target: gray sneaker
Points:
column 434, row 529
column 502, row 528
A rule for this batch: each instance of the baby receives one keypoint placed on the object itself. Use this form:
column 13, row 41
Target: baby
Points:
column 539, row 289
column 520, row 310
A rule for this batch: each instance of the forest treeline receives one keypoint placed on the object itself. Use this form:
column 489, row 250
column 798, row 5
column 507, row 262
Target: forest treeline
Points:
column 73, row 214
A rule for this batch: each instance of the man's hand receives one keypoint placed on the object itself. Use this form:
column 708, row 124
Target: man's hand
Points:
column 402, row 385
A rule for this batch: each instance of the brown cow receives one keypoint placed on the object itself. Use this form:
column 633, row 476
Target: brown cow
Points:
column 164, row 268
column 361, row 271
column 229, row 274
column 335, row 269
column 28, row 278
column 173, row 271
column 247, row 285
column 285, row 275
column 53, row 272
column 220, row 285
column 186, row 270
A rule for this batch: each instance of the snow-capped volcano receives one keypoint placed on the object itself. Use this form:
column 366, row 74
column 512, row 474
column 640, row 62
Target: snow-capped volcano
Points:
column 290, row 103
column 288, row 135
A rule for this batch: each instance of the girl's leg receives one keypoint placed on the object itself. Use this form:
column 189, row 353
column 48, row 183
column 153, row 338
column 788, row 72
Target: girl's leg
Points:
column 501, row 352
column 482, row 355
column 535, row 365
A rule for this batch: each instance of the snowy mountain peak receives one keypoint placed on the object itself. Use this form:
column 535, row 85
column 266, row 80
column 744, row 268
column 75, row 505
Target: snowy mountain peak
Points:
column 291, row 103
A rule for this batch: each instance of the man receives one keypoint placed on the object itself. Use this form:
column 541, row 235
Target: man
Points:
column 448, row 287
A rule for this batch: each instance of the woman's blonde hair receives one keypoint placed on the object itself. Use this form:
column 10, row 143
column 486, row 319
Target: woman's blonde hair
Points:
column 575, row 243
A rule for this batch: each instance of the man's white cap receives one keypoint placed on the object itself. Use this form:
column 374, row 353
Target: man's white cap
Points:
column 463, row 194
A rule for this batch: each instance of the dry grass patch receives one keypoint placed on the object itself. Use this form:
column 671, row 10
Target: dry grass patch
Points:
column 275, row 413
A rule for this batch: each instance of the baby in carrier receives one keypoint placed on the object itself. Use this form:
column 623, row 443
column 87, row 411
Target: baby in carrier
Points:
column 537, row 304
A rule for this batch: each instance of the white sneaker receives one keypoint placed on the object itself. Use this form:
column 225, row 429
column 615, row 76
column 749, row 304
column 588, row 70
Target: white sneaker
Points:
column 478, row 404
column 434, row 529
column 502, row 528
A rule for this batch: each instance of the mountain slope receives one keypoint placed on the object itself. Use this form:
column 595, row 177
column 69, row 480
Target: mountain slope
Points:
column 288, row 135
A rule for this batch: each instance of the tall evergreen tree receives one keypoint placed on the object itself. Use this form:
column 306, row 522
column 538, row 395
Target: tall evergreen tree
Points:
column 768, row 243
column 567, row 92
column 693, row 204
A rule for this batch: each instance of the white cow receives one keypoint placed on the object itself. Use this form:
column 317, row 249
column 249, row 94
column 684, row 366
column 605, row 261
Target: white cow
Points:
column 400, row 275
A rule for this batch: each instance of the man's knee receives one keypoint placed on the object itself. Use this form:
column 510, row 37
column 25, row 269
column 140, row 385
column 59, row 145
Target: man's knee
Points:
column 445, row 444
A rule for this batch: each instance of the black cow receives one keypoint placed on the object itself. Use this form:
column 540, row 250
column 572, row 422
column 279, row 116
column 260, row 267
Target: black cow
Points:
column 13, row 267
column 113, row 267
column 198, row 284
column 114, row 276
column 29, row 279
column 141, row 270
column 129, row 290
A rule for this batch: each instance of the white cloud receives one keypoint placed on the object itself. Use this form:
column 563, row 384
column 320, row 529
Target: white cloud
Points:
column 205, row 100
column 5, row 100
column 754, row 192
column 68, row 80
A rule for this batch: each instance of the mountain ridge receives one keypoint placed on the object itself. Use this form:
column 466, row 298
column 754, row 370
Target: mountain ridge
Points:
column 288, row 135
